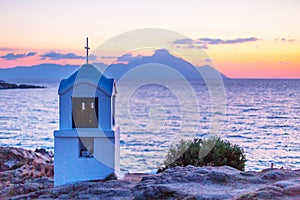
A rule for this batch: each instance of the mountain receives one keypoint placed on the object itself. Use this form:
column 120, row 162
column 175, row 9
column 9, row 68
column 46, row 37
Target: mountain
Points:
column 42, row 72
column 161, row 65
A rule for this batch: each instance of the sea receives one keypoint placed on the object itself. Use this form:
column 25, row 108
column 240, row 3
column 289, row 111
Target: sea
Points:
column 261, row 116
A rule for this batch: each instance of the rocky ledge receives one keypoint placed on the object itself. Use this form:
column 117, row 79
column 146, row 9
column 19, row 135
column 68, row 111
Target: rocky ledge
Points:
column 29, row 175
column 5, row 85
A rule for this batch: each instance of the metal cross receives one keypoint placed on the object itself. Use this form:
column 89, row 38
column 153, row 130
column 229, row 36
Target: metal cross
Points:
column 87, row 50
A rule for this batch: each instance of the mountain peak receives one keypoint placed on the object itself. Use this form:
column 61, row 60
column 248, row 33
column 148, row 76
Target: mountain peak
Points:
column 162, row 52
column 164, row 58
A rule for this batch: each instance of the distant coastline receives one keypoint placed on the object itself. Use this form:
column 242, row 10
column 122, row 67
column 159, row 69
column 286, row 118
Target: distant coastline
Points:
column 5, row 85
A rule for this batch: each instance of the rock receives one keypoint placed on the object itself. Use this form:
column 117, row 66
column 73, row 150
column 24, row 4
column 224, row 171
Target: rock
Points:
column 217, row 183
column 24, row 171
column 268, row 194
column 218, row 176
column 24, row 86
column 84, row 196
column 21, row 163
column 23, row 176
column 110, row 193
column 44, row 152
column 208, row 197
column 30, row 188
column 255, row 180
column 157, row 192
column 273, row 174
column 5, row 85
column 292, row 190
column 283, row 184
column 134, row 177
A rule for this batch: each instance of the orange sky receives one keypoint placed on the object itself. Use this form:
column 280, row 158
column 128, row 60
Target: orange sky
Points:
column 30, row 29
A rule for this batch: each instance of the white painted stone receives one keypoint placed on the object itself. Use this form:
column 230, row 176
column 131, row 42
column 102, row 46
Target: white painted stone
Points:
column 102, row 158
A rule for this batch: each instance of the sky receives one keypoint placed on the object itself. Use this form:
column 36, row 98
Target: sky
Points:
column 244, row 39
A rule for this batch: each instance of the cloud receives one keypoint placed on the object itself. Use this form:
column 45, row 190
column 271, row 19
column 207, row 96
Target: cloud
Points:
column 188, row 44
column 184, row 41
column 12, row 56
column 197, row 46
column 59, row 56
column 108, row 57
column 92, row 57
column 31, row 54
column 7, row 49
column 203, row 42
column 128, row 57
column 208, row 60
column 232, row 41
column 284, row 62
column 283, row 39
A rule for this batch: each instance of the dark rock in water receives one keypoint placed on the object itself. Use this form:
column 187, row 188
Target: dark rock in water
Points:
column 5, row 85
column 26, row 174
column 24, row 86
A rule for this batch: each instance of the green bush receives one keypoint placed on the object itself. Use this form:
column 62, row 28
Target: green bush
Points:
column 198, row 152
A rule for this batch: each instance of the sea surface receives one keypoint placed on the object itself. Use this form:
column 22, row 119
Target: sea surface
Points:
column 261, row 116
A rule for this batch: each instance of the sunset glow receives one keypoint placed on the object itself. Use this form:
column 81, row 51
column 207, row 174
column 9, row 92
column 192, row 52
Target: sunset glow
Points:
column 257, row 39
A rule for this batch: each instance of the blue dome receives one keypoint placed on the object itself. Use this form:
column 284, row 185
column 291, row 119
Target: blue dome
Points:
column 87, row 74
